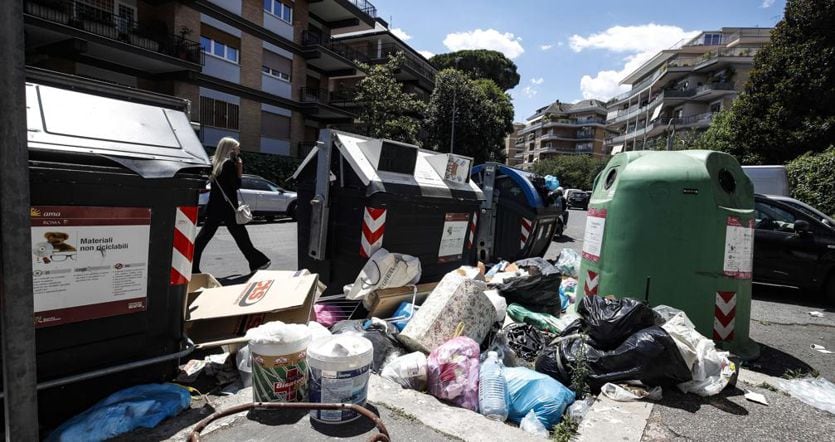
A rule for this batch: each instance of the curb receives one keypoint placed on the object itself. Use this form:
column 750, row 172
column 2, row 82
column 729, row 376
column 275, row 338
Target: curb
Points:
column 607, row 418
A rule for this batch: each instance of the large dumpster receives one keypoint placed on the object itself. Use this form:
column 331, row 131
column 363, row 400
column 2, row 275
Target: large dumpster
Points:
column 359, row 194
column 517, row 220
column 114, row 187
column 675, row 228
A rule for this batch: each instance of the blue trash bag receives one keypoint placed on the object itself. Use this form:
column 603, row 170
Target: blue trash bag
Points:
column 405, row 311
column 551, row 182
column 142, row 406
column 531, row 390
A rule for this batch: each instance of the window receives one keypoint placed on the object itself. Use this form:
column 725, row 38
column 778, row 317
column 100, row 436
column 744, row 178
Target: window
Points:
column 716, row 106
column 277, row 66
column 217, row 113
column 126, row 18
column 218, row 49
column 275, row 126
column 279, row 9
column 256, row 184
column 713, row 39
column 770, row 217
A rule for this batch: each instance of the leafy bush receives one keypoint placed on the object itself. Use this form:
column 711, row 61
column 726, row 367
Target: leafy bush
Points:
column 812, row 179
column 573, row 171
column 276, row 168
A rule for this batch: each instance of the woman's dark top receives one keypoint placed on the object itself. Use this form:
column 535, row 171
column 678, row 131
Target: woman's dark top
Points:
column 229, row 180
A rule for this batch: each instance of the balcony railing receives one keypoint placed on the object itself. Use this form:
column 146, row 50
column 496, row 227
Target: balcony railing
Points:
column 365, row 7
column 310, row 38
column 706, row 117
column 725, row 52
column 422, row 67
column 724, row 86
column 106, row 24
column 314, row 95
column 585, row 135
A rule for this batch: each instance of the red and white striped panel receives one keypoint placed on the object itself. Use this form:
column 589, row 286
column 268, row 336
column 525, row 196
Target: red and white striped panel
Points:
column 185, row 228
column 592, row 282
column 373, row 227
column 473, row 225
column 724, row 318
column 526, row 231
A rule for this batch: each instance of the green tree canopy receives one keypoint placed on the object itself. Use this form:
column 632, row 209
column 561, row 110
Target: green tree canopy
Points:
column 483, row 116
column 386, row 110
column 788, row 106
column 480, row 63
column 573, row 171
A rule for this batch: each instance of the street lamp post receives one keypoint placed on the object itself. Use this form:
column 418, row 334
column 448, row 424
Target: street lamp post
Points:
column 454, row 98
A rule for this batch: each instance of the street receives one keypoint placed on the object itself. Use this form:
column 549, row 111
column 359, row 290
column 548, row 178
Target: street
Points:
column 780, row 322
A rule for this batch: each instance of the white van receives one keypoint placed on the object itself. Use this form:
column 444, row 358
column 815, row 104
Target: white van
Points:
column 768, row 180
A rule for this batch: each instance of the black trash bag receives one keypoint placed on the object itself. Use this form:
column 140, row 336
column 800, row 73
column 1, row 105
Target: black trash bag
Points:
column 526, row 341
column 386, row 346
column 609, row 322
column 649, row 355
column 539, row 291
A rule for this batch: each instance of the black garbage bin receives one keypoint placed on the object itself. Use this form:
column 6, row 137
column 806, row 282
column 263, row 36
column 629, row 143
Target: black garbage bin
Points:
column 517, row 220
column 375, row 193
column 114, row 188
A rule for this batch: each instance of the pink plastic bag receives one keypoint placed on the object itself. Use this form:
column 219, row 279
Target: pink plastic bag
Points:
column 327, row 314
column 453, row 372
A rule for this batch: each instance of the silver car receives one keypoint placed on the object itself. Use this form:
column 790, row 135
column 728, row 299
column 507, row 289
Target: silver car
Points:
column 265, row 199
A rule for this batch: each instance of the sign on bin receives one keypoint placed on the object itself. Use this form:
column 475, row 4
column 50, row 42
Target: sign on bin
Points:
column 453, row 237
column 593, row 242
column 88, row 262
column 739, row 248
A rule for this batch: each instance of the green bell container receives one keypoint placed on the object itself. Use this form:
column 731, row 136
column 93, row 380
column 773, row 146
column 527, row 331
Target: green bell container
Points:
column 675, row 228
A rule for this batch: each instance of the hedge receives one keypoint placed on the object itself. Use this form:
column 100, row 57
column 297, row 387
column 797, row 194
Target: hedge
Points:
column 812, row 179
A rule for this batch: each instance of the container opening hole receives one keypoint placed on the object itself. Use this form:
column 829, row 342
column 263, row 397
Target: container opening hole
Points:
column 727, row 181
column 610, row 179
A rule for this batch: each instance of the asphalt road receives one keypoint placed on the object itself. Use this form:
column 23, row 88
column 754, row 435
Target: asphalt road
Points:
column 780, row 322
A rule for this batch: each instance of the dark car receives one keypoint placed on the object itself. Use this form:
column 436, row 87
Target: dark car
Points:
column 578, row 198
column 793, row 249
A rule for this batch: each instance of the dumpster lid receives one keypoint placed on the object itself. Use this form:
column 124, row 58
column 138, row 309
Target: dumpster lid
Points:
column 152, row 141
column 522, row 179
column 409, row 167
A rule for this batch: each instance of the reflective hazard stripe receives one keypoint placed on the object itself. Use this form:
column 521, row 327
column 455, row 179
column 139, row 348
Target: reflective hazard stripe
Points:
column 185, row 229
column 526, row 231
column 592, row 283
column 373, row 228
column 471, row 236
column 724, row 316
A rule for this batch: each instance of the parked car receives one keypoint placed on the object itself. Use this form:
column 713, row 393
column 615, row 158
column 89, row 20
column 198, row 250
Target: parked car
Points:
column 577, row 198
column 793, row 248
column 803, row 207
column 265, row 199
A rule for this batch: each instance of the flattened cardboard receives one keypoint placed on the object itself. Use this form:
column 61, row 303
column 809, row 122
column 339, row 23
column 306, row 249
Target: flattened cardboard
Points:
column 198, row 283
column 270, row 295
column 383, row 303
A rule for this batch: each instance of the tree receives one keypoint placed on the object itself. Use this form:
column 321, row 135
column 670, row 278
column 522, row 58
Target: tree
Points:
column 386, row 110
column 812, row 179
column 480, row 63
column 788, row 105
column 483, row 116
column 573, row 171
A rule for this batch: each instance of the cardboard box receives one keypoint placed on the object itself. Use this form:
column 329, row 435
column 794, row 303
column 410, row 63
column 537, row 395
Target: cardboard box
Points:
column 198, row 283
column 382, row 303
column 270, row 295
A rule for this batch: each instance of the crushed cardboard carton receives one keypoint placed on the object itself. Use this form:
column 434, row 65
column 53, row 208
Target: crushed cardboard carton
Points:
column 383, row 303
column 269, row 295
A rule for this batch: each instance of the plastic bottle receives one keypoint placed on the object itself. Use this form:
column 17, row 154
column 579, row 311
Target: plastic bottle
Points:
column 492, row 389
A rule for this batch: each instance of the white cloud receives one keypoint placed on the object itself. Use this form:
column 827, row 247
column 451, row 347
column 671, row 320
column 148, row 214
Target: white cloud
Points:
column 767, row 3
column 401, row 34
column 506, row 43
column 529, row 91
column 545, row 47
column 539, row 80
column 426, row 54
column 560, row 44
column 640, row 43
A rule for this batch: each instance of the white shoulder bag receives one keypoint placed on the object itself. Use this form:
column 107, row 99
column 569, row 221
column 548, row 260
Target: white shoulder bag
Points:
column 243, row 215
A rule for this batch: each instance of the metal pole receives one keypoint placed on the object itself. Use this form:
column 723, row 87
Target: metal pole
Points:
column 17, row 312
column 452, row 135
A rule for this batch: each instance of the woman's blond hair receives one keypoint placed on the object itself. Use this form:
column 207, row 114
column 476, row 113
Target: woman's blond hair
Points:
column 224, row 148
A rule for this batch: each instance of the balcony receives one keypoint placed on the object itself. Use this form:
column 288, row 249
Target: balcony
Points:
column 585, row 135
column 318, row 104
column 698, row 120
column 141, row 46
column 716, row 58
column 419, row 67
column 344, row 13
column 329, row 55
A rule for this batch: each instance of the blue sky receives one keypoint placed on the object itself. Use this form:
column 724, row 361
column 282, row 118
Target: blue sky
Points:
column 567, row 50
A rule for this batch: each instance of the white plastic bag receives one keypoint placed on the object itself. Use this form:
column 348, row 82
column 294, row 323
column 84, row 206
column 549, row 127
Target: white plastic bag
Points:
column 569, row 262
column 244, row 366
column 628, row 393
column 498, row 302
column 531, row 424
column 817, row 392
column 578, row 410
column 710, row 369
column 408, row 370
column 385, row 270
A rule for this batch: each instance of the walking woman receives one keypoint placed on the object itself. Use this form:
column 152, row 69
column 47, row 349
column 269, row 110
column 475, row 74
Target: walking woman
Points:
column 227, row 169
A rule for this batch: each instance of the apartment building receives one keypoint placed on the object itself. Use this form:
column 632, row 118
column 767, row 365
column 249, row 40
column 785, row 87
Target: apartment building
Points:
column 512, row 152
column 562, row 129
column 681, row 88
column 258, row 70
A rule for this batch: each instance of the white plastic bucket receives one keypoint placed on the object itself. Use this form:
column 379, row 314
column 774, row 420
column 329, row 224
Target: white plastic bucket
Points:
column 339, row 369
column 279, row 362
